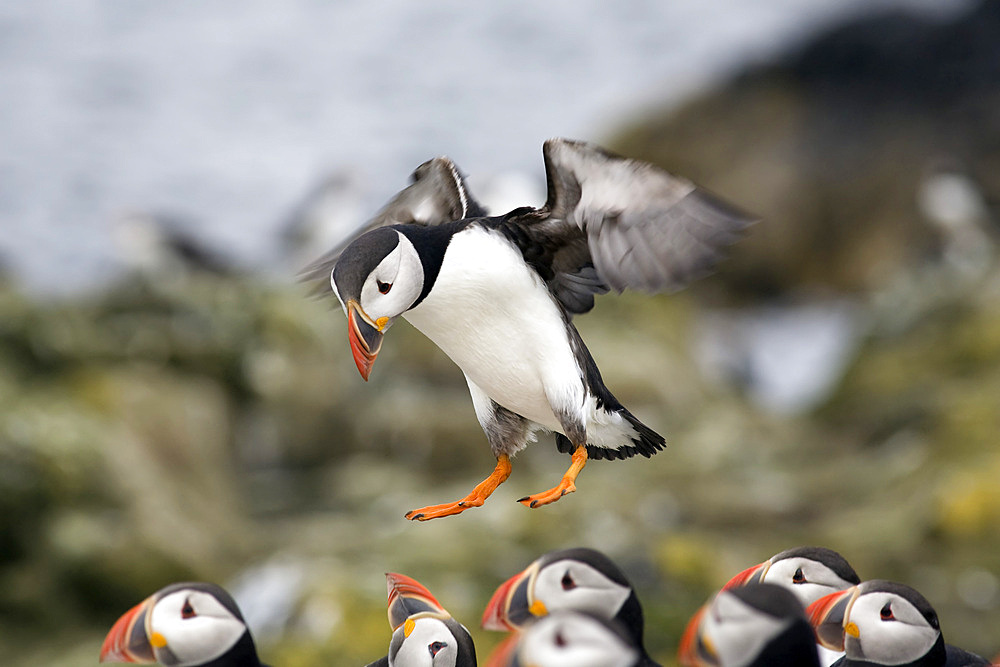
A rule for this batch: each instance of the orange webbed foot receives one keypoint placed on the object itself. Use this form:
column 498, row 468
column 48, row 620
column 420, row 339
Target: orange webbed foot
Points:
column 567, row 485
column 476, row 498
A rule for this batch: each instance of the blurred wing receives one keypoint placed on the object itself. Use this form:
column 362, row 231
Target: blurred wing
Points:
column 612, row 222
column 437, row 194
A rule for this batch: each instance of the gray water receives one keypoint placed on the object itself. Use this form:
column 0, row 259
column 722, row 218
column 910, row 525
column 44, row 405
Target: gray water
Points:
column 224, row 113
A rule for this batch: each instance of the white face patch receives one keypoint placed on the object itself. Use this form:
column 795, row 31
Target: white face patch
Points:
column 392, row 287
column 816, row 578
column 896, row 641
column 576, row 586
column 739, row 631
column 430, row 644
column 573, row 640
column 196, row 627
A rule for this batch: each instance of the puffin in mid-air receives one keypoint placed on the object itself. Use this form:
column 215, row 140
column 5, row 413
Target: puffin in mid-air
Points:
column 423, row 632
column 183, row 625
column 882, row 622
column 498, row 294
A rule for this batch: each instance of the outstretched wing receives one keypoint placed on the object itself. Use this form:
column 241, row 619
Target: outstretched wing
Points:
column 614, row 223
column 437, row 194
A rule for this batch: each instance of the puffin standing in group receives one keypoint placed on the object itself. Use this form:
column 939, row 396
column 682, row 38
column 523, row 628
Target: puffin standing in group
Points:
column 183, row 625
column 882, row 622
column 578, row 579
column 809, row 573
column 497, row 294
column 568, row 639
column 423, row 632
column 756, row 625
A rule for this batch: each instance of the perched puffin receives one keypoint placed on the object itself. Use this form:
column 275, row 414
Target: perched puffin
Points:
column 578, row 579
column 423, row 633
column 497, row 294
column 568, row 639
column 757, row 625
column 183, row 625
column 881, row 622
column 809, row 573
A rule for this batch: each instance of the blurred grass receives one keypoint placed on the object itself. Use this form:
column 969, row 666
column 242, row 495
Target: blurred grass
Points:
column 224, row 427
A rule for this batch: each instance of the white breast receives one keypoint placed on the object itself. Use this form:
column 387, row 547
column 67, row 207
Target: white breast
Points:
column 492, row 314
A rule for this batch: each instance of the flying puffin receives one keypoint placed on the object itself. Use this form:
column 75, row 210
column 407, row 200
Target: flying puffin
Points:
column 568, row 639
column 423, row 633
column 183, row 625
column 809, row 573
column 882, row 622
column 497, row 294
column 757, row 625
column 578, row 579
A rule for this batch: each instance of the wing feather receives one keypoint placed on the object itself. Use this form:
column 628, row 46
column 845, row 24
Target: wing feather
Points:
column 437, row 194
column 638, row 226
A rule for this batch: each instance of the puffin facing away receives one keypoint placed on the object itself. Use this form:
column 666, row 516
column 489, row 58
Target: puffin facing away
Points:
column 423, row 632
column 757, row 625
column 183, row 625
column 882, row 622
column 497, row 294
column 578, row 579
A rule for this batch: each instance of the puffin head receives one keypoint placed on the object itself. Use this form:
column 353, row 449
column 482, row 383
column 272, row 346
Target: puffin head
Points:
column 182, row 625
column 578, row 579
column 423, row 632
column 880, row 622
column 756, row 624
column 808, row 572
column 568, row 639
column 377, row 278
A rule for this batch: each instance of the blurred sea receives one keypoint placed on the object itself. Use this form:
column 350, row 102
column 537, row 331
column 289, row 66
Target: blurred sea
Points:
column 224, row 114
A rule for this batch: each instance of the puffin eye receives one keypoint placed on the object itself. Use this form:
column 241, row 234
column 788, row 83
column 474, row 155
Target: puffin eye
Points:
column 187, row 611
column 567, row 582
column 434, row 647
column 798, row 577
column 886, row 612
column 560, row 640
column 383, row 287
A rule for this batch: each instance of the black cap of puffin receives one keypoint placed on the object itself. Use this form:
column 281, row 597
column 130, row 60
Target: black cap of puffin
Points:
column 882, row 622
column 183, row 625
column 423, row 632
column 757, row 625
column 568, row 639
column 578, row 579
column 498, row 294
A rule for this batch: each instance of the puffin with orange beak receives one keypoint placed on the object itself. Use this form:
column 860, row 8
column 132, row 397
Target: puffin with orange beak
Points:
column 809, row 573
column 579, row 579
column 183, row 625
column 757, row 625
column 423, row 632
column 882, row 622
column 498, row 294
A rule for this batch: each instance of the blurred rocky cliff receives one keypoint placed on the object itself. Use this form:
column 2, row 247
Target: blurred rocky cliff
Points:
column 837, row 382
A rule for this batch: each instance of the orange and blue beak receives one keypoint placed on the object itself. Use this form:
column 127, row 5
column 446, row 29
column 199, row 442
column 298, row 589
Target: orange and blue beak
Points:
column 129, row 640
column 695, row 649
column 365, row 338
column 751, row 575
column 512, row 605
column 408, row 598
column 830, row 618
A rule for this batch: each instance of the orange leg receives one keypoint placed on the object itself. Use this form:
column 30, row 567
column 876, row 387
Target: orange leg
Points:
column 476, row 498
column 567, row 484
